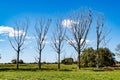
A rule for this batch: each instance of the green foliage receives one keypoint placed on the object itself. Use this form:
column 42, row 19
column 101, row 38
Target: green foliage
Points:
column 67, row 61
column 14, row 61
column 88, row 57
column 21, row 61
column 106, row 57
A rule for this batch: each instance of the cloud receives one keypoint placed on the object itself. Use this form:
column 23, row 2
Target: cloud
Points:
column 30, row 37
column 1, row 40
column 68, row 23
column 73, row 41
column 46, row 42
column 10, row 31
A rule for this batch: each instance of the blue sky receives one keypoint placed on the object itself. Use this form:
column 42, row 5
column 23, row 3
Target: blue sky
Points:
column 12, row 10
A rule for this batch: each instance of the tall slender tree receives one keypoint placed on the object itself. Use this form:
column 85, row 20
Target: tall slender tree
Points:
column 118, row 49
column 18, row 39
column 58, row 39
column 80, row 26
column 41, row 29
column 100, row 35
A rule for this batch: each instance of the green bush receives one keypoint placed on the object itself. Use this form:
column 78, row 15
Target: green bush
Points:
column 88, row 57
column 67, row 61
column 14, row 61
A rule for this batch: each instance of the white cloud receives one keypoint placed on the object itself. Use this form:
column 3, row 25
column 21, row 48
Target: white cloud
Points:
column 30, row 37
column 10, row 31
column 68, row 23
column 73, row 41
column 87, row 41
column 1, row 40
column 46, row 42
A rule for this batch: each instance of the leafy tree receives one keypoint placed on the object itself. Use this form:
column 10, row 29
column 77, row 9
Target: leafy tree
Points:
column 21, row 61
column 106, row 57
column 88, row 57
column 67, row 61
column 14, row 61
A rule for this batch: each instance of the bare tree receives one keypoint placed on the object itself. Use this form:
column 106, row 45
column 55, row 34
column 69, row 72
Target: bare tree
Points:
column 118, row 49
column 80, row 26
column 41, row 28
column 18, row 38
column 58, row 38
column 100, row 35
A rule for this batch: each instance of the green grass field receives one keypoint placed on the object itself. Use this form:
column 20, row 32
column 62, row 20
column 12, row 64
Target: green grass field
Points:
column 50, row 72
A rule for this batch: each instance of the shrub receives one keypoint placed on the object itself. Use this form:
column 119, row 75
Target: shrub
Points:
column 67, row 61
column 14, row 61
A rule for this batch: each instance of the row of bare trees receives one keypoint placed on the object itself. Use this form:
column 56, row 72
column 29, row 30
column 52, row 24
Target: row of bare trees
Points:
column 79, row 30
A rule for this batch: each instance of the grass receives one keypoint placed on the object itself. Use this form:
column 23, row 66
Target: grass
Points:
column 50, row 72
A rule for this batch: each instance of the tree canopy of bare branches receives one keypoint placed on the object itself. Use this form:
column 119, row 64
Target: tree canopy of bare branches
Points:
column 118, row 50
column 100, row 36
column 81, row 22
column 58, row 39
column 18, row 38
column 41, row 28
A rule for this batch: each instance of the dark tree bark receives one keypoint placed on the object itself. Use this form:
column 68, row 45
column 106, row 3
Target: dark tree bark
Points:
column 58, row 39
column 100, row 35
column 81, row 22
column 41, row 28
column 18, row 39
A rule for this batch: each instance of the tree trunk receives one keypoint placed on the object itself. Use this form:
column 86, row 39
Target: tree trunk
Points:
column 79, row 59
column 17, row 61
column 59, row 61
column 39, row 62
column 97, row 57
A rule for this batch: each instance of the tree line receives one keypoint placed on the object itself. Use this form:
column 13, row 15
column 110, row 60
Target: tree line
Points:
column 79, row 28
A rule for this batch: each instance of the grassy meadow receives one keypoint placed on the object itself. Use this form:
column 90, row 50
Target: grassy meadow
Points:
column 50, row 72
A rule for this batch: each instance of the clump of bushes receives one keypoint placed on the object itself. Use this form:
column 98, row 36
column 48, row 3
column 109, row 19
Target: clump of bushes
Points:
column 68, row 61
column 14, row 61
column 89, row 58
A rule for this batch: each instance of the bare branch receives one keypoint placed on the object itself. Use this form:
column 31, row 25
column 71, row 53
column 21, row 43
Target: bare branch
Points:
column 18, row 39
column 41, row 28
column 101, row 34
column 79, row 31
column 58, row 38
